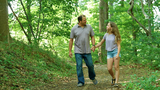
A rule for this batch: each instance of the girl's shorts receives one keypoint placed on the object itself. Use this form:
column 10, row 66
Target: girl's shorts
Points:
column 111, row 54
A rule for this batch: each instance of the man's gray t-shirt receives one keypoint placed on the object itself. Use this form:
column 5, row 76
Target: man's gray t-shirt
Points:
column 110, row 42
column 82, row 41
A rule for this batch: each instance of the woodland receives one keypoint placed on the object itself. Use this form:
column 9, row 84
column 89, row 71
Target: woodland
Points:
column 34, row 40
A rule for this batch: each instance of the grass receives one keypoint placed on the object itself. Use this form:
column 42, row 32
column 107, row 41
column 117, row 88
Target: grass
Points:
column 26, row 66
column 150, row 82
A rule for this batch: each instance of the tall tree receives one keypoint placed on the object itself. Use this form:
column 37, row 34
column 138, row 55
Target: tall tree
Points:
column 4, row 29
column 103, row 15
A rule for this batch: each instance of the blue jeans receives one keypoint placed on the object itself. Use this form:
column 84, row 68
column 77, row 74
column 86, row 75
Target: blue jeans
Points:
column 88, row 60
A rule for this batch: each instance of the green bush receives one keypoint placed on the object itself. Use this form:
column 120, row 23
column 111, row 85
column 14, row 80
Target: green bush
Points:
column 143, row 83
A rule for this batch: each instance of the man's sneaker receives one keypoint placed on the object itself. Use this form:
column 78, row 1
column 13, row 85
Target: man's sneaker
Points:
column 116, row 85
column 79, row 85
column 95, row 81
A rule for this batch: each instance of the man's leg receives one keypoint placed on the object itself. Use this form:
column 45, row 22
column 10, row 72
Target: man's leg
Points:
column 79, row 68
column 89, row 64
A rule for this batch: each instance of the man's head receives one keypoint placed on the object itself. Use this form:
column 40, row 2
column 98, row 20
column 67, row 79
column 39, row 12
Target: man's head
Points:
column 82, row 20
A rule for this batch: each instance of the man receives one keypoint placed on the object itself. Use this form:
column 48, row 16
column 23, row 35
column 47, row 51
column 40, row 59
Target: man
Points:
column 81, row 32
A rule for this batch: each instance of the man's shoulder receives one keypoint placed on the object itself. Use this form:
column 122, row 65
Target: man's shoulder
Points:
column 88, row 25
column 74, row 27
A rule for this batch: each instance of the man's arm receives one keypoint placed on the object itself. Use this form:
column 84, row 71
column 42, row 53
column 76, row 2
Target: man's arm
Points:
column 93, row 42
column 70, row 47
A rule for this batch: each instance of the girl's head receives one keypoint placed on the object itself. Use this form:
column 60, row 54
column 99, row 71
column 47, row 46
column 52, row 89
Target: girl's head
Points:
column 112, row 28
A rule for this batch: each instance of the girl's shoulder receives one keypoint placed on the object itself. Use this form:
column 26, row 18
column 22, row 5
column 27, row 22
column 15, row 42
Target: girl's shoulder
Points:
column 105, row 34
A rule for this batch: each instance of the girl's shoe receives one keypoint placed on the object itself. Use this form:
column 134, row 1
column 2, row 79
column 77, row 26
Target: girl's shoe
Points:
column 113, row 81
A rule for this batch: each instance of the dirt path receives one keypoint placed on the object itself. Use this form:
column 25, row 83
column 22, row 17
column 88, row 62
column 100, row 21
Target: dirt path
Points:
column 103, row 77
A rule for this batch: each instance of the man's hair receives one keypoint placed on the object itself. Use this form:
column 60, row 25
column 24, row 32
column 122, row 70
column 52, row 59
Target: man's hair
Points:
column 80, row 17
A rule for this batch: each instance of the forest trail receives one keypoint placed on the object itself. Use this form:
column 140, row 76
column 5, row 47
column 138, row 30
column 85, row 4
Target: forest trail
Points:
column 103, row 77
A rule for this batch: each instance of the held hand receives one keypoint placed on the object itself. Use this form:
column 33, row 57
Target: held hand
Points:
column 93, row 48
column 70, row 54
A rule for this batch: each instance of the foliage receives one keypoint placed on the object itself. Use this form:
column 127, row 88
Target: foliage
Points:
column 25, row 66
column 146, row 83
column 42, row 18
column 60, row 17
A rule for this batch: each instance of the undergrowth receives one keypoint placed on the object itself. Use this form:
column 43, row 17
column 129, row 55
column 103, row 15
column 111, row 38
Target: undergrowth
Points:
column 143, row 83
column 26, row 66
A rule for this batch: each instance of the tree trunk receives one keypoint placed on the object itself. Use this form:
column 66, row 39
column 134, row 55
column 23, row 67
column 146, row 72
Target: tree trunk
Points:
column 111, row 4
column 76, row 7
column 4, row 29
column 29, row 19
column 134, row 34
column 149, row 12
column 122, row 3
column 103, row 15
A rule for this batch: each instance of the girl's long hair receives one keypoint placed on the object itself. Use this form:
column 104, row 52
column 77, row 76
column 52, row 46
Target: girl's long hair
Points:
column 115, row 31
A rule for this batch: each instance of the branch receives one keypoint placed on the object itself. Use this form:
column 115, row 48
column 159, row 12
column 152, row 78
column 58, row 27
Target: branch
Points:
column 146, row 16
column 27, row 18
column 39, row 18
column 18, row 20
column 41, row 28
column 131, row 7
column 13, row 24
column 22, row 17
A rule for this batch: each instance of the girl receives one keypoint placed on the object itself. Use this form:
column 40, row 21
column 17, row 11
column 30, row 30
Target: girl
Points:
column 113, row 39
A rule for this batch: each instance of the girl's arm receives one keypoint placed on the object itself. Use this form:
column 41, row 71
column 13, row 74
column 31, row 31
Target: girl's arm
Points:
column 119, row 47
column 100, row 43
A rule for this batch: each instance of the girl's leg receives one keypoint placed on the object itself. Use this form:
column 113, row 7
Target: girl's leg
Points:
column 109, row 67
column 116, row 65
